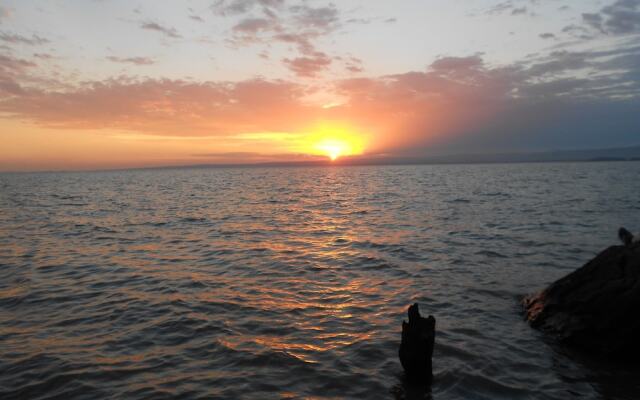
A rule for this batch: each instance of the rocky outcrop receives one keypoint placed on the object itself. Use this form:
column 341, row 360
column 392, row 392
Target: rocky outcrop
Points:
column 416, row 347
column 596, row 307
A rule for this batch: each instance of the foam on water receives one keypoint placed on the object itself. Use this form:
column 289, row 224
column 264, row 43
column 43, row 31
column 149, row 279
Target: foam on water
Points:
column 292, row 282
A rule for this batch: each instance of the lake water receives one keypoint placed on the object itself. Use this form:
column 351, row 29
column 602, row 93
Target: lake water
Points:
column 266, row 283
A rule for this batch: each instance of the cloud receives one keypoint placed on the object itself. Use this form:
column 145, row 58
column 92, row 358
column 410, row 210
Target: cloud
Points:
column 510, row 7
column 12, row 70
column 579, row 31
column 19, row 39
column 308, row 66
column 362, row 21
column 252, row 26
column 419, row 106
column 302, row 41
column 353, row 64
column 559, row 62
column 459, row 103
column 131, row 60
column 499, row 8
column 167, row 31
column 43, row 56
column 11, row 64
column 519, row 11
column 300, row 25
column 452, row 103
column 166, row 107
column 456, row 64
column 235, row 7
column 547, row 35
column 621, row 17
column 323, row 19
column 193, row 15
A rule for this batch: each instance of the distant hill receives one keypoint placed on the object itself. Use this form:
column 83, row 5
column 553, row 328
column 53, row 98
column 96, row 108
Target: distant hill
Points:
column 610, row 154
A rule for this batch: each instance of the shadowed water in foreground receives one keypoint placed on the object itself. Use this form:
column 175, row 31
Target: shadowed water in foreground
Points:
column 293, row 282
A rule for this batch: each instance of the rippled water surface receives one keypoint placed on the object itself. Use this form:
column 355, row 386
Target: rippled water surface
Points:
column 292, row 282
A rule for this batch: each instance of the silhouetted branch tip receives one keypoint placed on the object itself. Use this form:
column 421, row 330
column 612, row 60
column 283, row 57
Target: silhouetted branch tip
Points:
column 416, row 347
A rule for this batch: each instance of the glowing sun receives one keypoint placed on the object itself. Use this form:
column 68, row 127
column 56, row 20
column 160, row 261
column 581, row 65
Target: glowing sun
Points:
column 335, row 141
column 333, row 148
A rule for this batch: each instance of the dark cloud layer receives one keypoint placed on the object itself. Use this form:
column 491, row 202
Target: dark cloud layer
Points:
column 564, row 99
column 621, row 17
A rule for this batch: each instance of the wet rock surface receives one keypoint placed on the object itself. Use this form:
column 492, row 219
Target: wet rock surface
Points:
column 597, row 307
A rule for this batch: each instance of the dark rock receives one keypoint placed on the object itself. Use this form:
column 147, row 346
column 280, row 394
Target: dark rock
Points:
column 416, row 348
column 596, row 307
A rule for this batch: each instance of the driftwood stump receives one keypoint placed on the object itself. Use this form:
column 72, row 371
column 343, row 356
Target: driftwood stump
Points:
column 416, row 347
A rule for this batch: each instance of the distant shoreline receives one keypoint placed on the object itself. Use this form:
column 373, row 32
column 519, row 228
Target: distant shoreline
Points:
column 308, row 164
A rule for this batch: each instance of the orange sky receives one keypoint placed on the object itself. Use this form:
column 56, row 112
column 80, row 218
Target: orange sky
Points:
column 90, row 85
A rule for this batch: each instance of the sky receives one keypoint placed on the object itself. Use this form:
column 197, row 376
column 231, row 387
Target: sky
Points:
column 98, row 84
